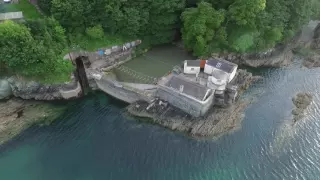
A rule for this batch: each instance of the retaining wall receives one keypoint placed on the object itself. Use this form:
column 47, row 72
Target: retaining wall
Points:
column 67, row 94
column 117, row 90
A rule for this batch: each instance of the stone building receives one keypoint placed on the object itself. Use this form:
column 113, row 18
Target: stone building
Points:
column 193, row 98
column 221, row 68
column 199, row 86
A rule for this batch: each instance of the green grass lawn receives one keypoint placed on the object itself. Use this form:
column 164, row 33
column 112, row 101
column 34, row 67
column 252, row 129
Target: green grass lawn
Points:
column 28, row 10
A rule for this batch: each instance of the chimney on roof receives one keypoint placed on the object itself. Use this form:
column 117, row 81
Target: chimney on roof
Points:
column 181, row 88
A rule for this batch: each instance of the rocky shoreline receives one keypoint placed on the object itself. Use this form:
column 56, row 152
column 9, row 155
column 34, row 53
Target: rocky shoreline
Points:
column 18, row 114
column 275, row 57
column 219, row 120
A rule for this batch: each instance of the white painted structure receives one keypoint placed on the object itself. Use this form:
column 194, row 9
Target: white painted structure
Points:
column 191, row 66
column 218, row 80
column 221, row 69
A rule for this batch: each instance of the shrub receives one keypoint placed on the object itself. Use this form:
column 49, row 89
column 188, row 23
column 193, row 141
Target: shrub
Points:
column 95, row 32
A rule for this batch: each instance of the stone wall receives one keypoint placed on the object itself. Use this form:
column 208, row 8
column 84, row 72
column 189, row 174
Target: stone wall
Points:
column 184, row 103
column 68, row 94
column 27, row 89
column 117, row 90
column 109, row 53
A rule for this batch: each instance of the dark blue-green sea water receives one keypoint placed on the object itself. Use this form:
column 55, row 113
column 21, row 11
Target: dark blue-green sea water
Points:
column 96, row 140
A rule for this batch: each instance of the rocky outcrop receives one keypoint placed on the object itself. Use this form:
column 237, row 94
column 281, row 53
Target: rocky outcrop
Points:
column 216, row 122
column 243, row 80
column 219, row 120
column 301, row 102
column 5, row 89
column 26, row 89
column 312, row 61
column 17, row 115
column 276, row 57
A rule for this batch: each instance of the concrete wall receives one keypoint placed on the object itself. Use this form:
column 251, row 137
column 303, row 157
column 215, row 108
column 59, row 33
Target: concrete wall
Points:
column 208, row 104
column 67, row 94
column 185, row 103
column 233, row 74
column 115, row 89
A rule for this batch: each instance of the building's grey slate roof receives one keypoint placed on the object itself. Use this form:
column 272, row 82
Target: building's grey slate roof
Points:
column 190, row 88
column 11, row 15
column 221, row 64
column 193, row 63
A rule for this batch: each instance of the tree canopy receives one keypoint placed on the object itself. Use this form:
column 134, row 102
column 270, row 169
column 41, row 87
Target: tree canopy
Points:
column 199, row 27
column 33, row 50
column 206, row 25
column 248, row 25
column 154, row 21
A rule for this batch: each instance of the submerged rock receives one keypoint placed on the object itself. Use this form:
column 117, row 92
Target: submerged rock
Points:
column 217, row 121
column 301, row 102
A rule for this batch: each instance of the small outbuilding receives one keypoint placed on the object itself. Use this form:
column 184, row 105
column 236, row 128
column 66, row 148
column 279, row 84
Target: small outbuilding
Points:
column 191, row 66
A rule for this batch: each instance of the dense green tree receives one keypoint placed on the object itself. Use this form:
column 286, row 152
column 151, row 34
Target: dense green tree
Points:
column 300, row 12
column 243, row 25
column 315, row 9
column 72, row 14
column 253, row 25
column 49, row 32
column 31, row 56
column 155, row 21
column 199, row 26
column 164, row 19
column 95, row 32
column 45, row 6
column 243, row 12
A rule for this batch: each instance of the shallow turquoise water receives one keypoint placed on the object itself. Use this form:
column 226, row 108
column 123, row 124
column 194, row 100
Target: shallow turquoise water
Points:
column 96, row 140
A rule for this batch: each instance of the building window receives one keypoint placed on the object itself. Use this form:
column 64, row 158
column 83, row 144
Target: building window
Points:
column 192, row 69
